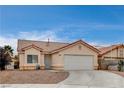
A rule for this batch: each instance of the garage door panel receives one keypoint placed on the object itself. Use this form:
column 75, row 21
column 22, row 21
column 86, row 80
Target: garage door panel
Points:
column 78, row 62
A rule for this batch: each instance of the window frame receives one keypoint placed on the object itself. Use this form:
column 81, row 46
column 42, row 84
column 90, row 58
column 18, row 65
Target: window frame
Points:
column 121, row 52
column 32, row 59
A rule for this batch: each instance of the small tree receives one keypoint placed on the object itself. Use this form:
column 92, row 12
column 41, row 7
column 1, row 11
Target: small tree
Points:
column 121, row 65
column 6, row 53
column 2, row 59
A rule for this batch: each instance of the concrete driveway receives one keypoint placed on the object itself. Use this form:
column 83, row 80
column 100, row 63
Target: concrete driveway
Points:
column 93, row 79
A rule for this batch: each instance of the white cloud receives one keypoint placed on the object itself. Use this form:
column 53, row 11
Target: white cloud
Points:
column 11, row 39
column 36, row 35
column 32, row 35
column 98, row 44
column 8, row 41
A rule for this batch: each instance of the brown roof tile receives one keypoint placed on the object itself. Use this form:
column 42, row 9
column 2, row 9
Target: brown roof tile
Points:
column 51, row 46
column 41, row 44
column 105, row 50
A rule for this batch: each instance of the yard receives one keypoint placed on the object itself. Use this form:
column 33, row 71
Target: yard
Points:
column 32, row 77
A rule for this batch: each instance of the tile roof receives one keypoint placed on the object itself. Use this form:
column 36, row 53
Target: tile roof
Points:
column 41, row 44
column 51, row 46
column 105, row 50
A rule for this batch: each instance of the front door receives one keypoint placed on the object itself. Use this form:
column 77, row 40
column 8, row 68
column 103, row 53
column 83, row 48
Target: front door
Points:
column 47, row 61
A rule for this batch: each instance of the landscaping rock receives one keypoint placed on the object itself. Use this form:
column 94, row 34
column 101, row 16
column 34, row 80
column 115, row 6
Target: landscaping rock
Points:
column 106, row 63
column 113, row 67
column 32, row 77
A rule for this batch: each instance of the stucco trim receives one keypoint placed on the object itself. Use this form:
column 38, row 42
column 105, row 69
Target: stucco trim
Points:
column 115, row 57
column 31, row 67
column 58, row 67
column 31, row 46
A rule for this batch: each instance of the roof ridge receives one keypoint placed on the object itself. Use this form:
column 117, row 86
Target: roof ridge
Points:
column 105, row 50
column 81, row 41
column 41, row 41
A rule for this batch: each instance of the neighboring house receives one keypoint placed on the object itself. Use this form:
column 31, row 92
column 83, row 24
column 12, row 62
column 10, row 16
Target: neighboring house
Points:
column 56, row 55
column 110, row 56
column 114, row 52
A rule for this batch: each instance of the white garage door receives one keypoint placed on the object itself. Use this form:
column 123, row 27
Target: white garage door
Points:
column 78, row 62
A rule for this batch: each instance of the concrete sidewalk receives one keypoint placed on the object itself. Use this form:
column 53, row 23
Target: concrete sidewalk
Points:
column 28, row 85
column 94, row 79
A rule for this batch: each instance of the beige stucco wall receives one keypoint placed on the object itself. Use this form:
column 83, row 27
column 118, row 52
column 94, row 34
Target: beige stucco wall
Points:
column 113, row 53
column 58, row 58
column 23, row 59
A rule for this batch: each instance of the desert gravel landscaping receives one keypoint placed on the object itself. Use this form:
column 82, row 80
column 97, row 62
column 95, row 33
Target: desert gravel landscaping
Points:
column 32, row 77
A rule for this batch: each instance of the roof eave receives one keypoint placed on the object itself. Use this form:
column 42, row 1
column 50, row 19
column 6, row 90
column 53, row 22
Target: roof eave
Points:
column 79, row 41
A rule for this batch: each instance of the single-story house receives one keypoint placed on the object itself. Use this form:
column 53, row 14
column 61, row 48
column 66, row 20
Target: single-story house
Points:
column 56, row 55
column 114, row 52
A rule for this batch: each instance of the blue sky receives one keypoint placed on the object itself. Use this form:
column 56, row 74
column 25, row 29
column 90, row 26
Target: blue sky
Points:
column 100, row 25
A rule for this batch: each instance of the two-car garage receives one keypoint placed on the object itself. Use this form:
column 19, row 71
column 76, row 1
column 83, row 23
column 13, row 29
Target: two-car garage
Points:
column 78, row 62
column 76, row 56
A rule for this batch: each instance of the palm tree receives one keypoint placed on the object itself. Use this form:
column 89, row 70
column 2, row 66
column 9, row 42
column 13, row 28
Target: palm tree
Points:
column 8, row 50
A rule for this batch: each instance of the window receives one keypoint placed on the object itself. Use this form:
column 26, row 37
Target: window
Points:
column 32, row 59
column 121, row 52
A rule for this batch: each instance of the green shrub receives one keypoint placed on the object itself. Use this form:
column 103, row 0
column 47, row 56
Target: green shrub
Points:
column 121, row 65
